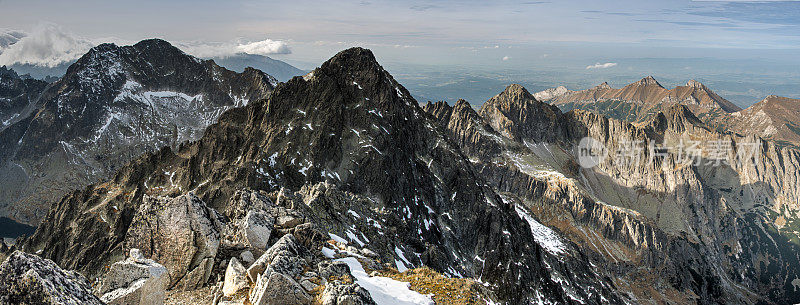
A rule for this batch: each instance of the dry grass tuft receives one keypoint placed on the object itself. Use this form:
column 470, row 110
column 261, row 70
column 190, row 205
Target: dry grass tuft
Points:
column 446, row 291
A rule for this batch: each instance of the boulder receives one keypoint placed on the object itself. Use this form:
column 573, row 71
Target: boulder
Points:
column 345, row 294
column 288, row 221
column 278, row 289
column 308, row 285
column 181, row 233
column 256, row 229
column 309, row 235
column 235, row 278
column 328, row 269
column 247, row 257
column 29, row 279
column 135, row 280
column 284, row 256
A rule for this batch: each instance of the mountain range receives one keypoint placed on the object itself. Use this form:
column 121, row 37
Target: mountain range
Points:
column 114, row 104
column 774, row 118
column 340, row 179
column 276, row 68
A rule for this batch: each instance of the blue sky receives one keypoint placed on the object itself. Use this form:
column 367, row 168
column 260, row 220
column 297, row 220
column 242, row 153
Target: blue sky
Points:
column 486, row 36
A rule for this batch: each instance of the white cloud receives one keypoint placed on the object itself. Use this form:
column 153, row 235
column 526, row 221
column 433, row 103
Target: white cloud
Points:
column 506, row 58
column 9, row 37
column 265, row 47
column 47, row 45
column 206, row 50
column 601, row 66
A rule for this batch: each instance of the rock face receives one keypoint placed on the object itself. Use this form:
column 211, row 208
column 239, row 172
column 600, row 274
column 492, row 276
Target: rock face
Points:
column 284, row 257
column 666, row 216
column 17, row 96
column 775, row 118
column 351, row 294
column 513, row 115
column 552, row 93
column 235, row 278
column 278, row 289
column 113, row 104
column 134, row 281
column 182, row 233
column 28, row 279
column 257, row 227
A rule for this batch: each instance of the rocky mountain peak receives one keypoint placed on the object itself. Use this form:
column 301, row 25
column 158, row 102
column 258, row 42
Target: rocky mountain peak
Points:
column 695, row 84
column 8, row 73
column 441, row 110
column 516, row 92
column 774, row 99
column 604, row 85
column 551, row 93
column 648, row 81
column 156, row 44
column 515, row 113
column 677, row 118
column 461, row 103
column 777, row 105
column 357, row 71
column 353, row 61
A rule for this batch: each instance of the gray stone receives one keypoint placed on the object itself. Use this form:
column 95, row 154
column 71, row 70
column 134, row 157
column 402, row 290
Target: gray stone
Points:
column 308, row 285
column 181, row 233
column 286, row 247
column 247, row 258
column 29, row 279
column 256, row 228
column 288, row 221
column 278, row 289
column 345, row 294
column 135, row 281
column 329, row 269
column 235, row 278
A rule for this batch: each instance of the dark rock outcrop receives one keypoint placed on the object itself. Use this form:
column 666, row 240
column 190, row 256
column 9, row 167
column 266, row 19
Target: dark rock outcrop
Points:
column 29, row 279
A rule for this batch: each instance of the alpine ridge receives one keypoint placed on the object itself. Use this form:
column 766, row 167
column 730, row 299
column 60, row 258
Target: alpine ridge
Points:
column 639, row 101
column 339, row 179
column 659, row 222
column 331, row 139
column 113, row 104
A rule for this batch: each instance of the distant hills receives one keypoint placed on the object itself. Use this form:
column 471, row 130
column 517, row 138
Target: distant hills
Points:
column 775, row 118
column 282, row 71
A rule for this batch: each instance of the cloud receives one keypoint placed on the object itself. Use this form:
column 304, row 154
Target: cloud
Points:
column 506, row 58
column 47, row 45
column 601, row 66
column 207, row 50
column 9, row 37
column 265, row 47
